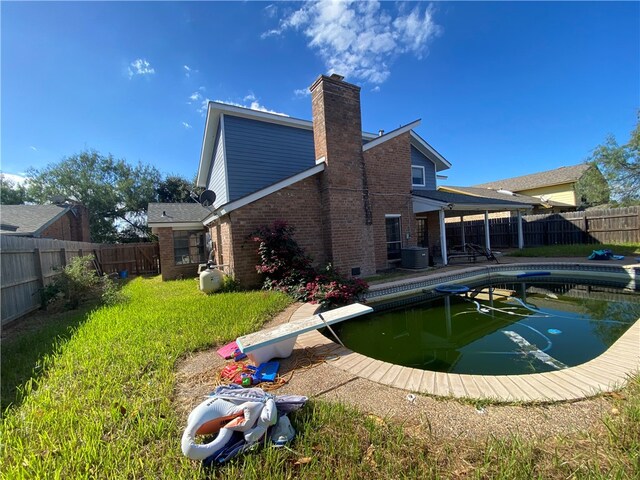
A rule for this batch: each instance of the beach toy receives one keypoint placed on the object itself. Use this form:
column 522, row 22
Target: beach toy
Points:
column 228, row 350
column 266, row 372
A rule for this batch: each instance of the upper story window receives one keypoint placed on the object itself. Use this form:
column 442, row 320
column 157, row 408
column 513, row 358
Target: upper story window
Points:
column 417, row 176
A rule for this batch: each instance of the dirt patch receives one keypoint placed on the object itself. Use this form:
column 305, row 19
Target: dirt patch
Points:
column 314, row 376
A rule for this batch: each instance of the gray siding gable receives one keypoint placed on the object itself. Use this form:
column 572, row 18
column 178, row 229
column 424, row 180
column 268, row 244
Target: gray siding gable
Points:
column 217, row 179
column 418, row 159
column 259, row 154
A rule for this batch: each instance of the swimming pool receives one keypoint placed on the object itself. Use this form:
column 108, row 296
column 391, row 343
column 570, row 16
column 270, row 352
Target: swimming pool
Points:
column 528, row 323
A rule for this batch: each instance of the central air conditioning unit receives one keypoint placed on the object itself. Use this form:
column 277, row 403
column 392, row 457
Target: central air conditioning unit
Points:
column 415, row 257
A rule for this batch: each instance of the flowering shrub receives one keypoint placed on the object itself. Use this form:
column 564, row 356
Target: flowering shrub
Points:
column 287, row 268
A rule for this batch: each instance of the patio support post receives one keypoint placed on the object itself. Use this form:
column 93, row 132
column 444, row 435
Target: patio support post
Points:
column 443, row 238
column 464, row 239
column 487, row 240
column 520, row 234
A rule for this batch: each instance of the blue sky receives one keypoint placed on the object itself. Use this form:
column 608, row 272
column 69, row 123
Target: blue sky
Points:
column 502, row 88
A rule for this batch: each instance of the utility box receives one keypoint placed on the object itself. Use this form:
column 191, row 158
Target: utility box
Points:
column 415, row 257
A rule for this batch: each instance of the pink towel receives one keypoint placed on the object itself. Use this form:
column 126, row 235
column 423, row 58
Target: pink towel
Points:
column 227, row 350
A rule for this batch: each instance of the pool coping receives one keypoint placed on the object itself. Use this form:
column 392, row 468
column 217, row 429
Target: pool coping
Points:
column 608, row 372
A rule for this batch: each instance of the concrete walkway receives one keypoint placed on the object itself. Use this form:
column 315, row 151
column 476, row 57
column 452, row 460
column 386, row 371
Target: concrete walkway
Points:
column 606, row 373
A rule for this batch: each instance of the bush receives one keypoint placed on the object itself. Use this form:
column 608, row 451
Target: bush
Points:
column 287, row 268
column 79, row 282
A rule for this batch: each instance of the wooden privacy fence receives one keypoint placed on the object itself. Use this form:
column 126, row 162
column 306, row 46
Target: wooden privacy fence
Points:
column 612, row 225
column 27, row 265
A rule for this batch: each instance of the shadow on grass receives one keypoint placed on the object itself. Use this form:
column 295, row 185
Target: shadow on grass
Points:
column 27, row 343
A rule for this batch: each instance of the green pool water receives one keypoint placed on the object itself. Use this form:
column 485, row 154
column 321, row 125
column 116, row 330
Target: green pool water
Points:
column 499, row 329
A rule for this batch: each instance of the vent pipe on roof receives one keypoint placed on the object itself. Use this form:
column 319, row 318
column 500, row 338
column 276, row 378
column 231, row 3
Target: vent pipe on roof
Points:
column 335, row 76
column 380, row 132
column 164, row 213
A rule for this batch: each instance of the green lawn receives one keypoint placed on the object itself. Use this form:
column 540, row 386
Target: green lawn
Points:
column 102, row 408
column 582, row 250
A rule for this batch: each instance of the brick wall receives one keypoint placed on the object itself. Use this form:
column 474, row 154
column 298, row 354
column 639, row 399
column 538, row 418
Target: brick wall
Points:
column 299, row 205
column 346, row 213
column 73, row 227
column 60, row 229
column 168, row 267
column 388, row 167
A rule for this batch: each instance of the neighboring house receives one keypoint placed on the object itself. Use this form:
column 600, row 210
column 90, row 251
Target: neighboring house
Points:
column 356, row 199
column 62, row 222
column 559, row 188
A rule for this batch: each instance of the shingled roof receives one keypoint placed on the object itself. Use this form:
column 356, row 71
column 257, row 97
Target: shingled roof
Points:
column 29, row 220
column 541, row 179
column 494, row 194
column 176, row 213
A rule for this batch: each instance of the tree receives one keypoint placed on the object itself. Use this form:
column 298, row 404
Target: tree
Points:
column 115, row 192
column 592, row 189
column 11, row 193
column 621, row 166
column 175, row 189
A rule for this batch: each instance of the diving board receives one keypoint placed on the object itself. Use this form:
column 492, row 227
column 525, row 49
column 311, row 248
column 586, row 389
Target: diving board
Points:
column 278, row 342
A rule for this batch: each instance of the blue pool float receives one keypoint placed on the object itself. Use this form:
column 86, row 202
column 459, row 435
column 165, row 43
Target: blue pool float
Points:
column 448, row 288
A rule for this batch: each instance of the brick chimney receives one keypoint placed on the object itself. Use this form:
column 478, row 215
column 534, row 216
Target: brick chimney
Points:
column 337, row 134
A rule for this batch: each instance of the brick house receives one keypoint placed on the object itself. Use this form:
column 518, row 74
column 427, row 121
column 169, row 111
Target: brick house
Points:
column 61, row 222
column 356, row 199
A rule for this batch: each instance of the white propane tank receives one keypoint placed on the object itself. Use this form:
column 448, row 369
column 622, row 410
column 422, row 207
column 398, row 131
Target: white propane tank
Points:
column 211, row 280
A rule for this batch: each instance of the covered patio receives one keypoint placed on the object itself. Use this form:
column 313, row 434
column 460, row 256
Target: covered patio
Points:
column 449, row 204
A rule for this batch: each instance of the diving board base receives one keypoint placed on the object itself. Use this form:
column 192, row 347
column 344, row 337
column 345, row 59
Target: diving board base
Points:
column 281, row 349
column 278, row 342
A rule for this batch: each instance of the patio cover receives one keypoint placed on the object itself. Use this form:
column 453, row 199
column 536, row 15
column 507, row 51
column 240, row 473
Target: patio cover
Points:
column 445, row 202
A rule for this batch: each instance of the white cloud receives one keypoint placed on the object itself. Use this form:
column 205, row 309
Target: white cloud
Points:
column 250, row 97
column 204, row 105
column 18, row 179
column 33, row 148
column 360, row 40
column 186, row 125
column 301, row 92
column 195, row 97
column 271, row 10
column 140, row 67
column 376, row 89
column 255, row 105
column 188, row 70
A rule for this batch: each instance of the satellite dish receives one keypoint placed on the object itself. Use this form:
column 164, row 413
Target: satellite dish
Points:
column 207, row 198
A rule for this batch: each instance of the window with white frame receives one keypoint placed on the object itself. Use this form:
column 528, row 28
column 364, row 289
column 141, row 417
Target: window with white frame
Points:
column 417, row 176
column 394, row 236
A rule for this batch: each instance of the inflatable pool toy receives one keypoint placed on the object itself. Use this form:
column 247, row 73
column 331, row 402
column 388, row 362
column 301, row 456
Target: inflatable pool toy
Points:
column 450, row 288
column 239, row 417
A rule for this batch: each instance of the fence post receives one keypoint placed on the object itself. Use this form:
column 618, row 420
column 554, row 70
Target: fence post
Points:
column 585, row 230
column 63, row 257
column 38, row 266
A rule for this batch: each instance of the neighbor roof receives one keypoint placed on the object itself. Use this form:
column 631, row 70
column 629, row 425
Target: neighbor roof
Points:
column 490, row 193
column 541, row 179
column 172, row 213
column 29, row 220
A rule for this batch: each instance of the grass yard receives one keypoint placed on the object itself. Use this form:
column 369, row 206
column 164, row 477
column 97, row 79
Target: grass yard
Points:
column 100, row 406
column 582, row 250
